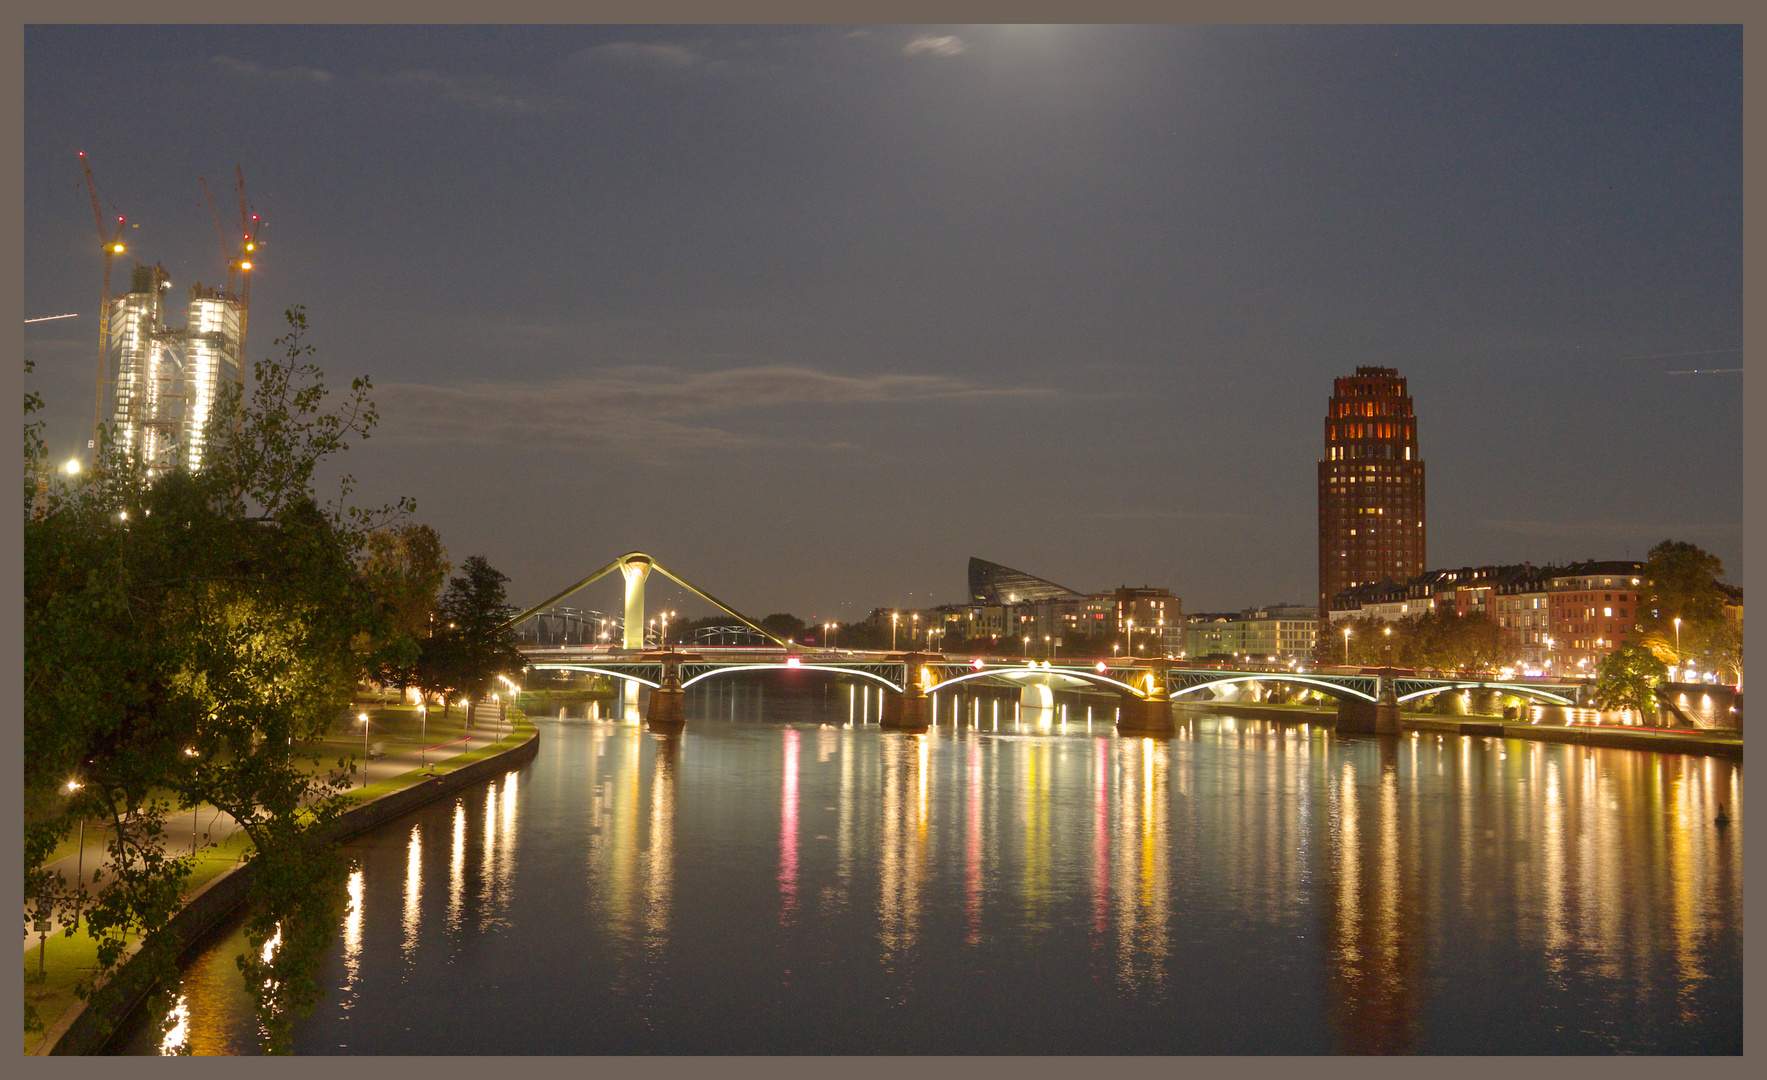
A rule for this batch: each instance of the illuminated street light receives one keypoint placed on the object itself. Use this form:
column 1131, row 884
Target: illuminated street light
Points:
column 80, row 868
column 364, row 718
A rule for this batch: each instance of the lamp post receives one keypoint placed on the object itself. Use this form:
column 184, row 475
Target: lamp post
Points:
column 1130, row 647
column 364, row 718
column 1346, row 646
column 80, row 860
column 895, row 618
column 1678, row 644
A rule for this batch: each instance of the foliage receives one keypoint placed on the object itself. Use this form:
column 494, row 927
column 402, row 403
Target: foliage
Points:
column 184, row 635
column 1627, row 678
column 783, row 625
column 1435, row 640
column 405, row 566
column 1679, row 583
column 472, row 644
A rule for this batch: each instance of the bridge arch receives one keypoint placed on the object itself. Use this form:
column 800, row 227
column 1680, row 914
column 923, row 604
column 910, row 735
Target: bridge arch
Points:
column 592, row 670
column 1501, row 688
column 1334, row 689
column 1082, row 674
column 833, row 669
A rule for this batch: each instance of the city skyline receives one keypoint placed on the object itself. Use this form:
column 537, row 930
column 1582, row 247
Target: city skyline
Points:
column 818, row 314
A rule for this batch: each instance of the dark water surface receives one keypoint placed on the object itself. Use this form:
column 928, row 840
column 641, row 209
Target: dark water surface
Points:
column 782, row 885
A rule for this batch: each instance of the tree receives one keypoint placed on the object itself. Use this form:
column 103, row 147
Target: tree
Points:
column 1627, row 678
column 1679, row 582
column 472, row 644
column 185, row 635
column 405, row 566
column 782, row 625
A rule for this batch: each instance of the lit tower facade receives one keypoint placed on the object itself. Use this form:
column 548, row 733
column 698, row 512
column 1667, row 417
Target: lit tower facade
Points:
column 1371, row 511
column 167, row 380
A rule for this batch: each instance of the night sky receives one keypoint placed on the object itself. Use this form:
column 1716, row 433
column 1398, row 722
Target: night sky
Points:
column 813, row 315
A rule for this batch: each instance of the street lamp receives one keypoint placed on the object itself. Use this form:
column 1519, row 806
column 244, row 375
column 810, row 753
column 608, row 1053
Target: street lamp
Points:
column 895, row 617
column 1130, row 648
column 80, row 869
column 1346, row 646
column 1677, row 641
column 364, row 718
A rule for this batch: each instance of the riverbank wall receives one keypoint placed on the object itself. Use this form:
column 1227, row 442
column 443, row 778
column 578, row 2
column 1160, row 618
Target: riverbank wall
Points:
column 85, row 1029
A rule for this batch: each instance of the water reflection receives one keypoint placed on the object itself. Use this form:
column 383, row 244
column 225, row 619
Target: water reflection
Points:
column 660, row 858
column 1373, row 915
column 902, row 858
column 1142, row 893
column 1241, row 886
column 788, row 828
column 413, row 914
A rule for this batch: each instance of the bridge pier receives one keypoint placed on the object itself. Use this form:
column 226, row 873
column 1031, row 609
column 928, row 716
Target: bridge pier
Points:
column 1379, row 717
column 1148, row 713
column 668, row 703
column 907, row 711
column 1146, row 716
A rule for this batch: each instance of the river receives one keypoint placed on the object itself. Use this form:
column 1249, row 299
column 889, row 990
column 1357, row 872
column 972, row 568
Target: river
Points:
column 778, row 880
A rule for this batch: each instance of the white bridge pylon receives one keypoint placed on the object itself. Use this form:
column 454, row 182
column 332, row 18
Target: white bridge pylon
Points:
column 635, row 567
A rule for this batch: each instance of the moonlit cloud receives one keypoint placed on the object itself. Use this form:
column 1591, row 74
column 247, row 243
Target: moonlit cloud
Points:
column 653, row 410
column 252, row 69
column 948, row 45
column 479, row 95
column 634, row 52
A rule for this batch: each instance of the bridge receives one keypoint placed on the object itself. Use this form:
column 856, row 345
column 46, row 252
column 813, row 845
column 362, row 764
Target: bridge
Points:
column 1145, row 687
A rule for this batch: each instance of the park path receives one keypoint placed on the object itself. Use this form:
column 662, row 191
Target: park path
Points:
column 190, row 831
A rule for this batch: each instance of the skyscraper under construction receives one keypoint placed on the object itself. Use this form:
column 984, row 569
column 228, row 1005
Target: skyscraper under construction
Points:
column 1371, row 512
column 166, row 380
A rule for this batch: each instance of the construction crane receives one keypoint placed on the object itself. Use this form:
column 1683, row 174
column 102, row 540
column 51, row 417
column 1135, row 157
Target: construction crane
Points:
column 248, row 246
column 113, row 246
column 239, row 263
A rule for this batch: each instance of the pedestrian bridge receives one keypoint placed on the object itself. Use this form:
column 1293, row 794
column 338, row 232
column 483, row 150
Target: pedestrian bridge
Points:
column 1146, row 686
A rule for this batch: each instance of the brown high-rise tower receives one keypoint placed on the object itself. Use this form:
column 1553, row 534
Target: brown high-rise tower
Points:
column 1370, row 486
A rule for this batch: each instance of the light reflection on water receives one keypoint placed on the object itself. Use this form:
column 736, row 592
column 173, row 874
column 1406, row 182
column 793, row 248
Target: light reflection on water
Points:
column 999, row 885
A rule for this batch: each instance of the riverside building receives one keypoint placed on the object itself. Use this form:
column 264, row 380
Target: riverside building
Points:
column 1371, row 493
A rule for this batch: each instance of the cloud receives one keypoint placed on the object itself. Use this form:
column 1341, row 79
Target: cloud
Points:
column 650, row 410
column 938, row 46
column 479, row 95
column 640, row 53
column 256, row 70
column 1607, row 530
column 1160, row 515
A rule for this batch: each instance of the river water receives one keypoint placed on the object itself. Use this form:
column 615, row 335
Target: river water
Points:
column 779, row 880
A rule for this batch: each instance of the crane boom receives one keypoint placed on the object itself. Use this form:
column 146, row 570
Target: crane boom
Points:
column 112, row 245
column 220, row 233
column 248, row 229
